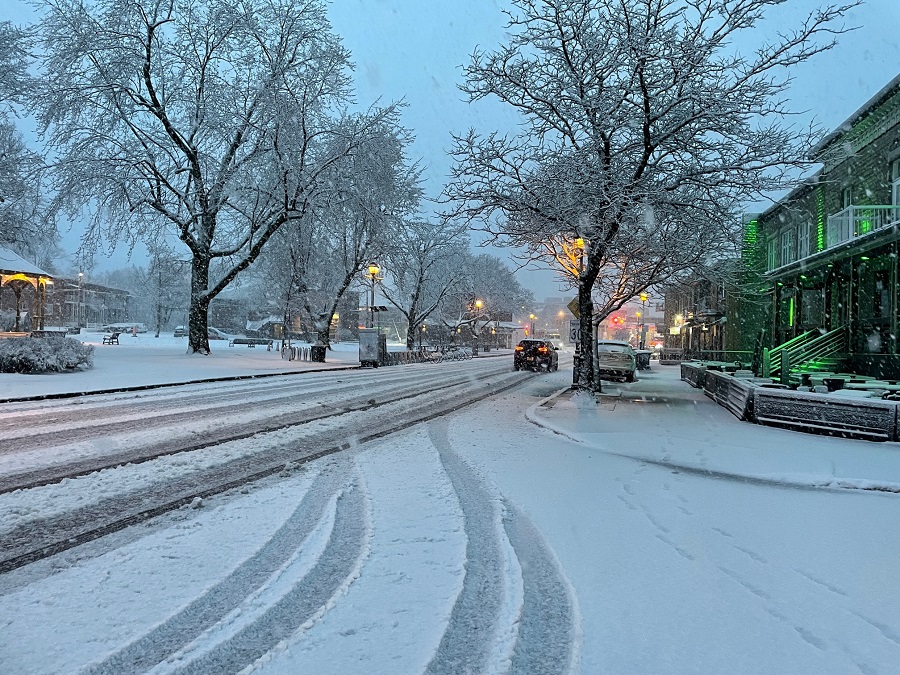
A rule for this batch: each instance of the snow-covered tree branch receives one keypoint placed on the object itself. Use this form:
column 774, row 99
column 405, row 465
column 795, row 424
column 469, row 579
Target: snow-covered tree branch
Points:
column 628, row 105
column 211, row 119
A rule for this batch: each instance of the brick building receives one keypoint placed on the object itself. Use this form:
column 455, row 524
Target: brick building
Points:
column 827, row 254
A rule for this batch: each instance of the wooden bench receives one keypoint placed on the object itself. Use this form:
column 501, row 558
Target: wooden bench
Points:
column 111, row 339
column 250, row 342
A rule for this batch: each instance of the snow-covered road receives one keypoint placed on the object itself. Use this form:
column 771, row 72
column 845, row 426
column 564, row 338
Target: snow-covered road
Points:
column 528, row 533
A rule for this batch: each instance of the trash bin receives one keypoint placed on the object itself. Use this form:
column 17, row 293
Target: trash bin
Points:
column 642, row 359
column 317, row 353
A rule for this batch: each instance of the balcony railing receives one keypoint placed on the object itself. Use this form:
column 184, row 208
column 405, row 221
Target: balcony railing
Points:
column 855, row 221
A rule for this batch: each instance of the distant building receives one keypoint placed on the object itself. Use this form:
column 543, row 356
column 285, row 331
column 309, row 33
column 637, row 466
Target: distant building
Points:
column 75, row 302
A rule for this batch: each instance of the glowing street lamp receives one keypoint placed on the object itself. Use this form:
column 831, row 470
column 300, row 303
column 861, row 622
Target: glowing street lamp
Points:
column 643, row 297
column 373, row 271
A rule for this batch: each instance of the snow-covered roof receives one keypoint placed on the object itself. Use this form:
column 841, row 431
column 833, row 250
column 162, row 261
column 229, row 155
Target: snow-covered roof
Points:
column 883, row 94
column 259, row 323
column 13, row 263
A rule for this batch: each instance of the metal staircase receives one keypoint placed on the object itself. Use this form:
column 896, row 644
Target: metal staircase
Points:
column 813, row 350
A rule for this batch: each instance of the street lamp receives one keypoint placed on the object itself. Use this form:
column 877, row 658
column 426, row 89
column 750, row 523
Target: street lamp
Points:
column 532, row 317
column 643, row 297
column 479, row 305
column 373, row 271
column 80, row 301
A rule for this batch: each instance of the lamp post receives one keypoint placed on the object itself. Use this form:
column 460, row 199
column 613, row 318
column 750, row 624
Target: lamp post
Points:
column 643, row 297
column 479, row 305
column 80, row 301
column 532, row 317
column 373, row 271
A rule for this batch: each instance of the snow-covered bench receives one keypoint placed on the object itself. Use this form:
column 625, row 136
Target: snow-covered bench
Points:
column 250, row 342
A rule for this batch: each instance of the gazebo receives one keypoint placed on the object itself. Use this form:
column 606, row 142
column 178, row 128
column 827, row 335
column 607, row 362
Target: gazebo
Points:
column 18, row 274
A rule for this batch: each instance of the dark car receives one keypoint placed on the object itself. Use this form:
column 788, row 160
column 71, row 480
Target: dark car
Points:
column 536, row 354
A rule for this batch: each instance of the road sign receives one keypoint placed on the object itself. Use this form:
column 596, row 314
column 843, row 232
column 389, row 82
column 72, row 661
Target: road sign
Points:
column 573, row 307
column 573, row 330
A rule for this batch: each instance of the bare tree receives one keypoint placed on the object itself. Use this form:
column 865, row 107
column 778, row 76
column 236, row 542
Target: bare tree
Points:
column 629, row 104
column 426, row 260
column 352, row 221
column 165, row 282
column 14, row 61
column 488, row 288
column 213, row 118
column 24, row 223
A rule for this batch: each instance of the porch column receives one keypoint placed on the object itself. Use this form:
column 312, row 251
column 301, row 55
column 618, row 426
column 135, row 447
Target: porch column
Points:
column 776, row 315
column 892, row 276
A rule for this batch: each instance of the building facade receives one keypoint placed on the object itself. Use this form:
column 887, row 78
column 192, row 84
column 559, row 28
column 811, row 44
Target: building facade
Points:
column 827, row 253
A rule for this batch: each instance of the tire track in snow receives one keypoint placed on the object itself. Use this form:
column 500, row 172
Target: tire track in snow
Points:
column 482, row 634
column 191, row 621
column 547, row 631
column 467, row 643
column 306, row 601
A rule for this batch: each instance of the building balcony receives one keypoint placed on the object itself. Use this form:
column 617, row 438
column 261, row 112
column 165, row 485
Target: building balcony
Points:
column 856, row 221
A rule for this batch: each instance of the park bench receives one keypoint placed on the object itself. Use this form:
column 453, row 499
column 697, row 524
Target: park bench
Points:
column 111, row 339
column 250, row 342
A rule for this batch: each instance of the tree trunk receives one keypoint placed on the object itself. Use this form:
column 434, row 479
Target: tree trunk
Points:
column 584, row 365
column 323, row 332
column 412, row 332
column 198, row 314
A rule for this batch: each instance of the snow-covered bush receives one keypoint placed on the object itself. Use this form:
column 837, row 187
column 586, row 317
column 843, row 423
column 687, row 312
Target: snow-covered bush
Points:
column 44, row 355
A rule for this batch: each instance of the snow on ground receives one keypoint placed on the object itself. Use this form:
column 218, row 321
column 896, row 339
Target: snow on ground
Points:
column 71, row 618
column 689, row 542
column 144, row 359
column 661, row 419
column 677, row 571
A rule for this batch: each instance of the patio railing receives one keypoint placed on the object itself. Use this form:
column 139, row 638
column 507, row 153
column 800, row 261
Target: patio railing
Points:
column 855, row 221
column 806, row 348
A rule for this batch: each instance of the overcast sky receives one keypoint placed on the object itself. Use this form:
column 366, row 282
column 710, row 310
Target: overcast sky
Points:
column 414, row 50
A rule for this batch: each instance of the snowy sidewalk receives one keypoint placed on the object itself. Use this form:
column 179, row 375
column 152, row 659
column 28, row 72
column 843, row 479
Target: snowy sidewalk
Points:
column 663, row 420
column 144, row 360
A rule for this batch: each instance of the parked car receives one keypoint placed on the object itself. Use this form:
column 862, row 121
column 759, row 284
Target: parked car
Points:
column 181, row 331
column 216, row 334
column 535, row 354
column 616, row 358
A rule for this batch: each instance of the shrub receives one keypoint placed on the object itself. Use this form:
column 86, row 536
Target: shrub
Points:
column 44, row 355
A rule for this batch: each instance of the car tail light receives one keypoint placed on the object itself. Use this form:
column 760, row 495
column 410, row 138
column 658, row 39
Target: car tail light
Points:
column 520, row 348
column 542, row 350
